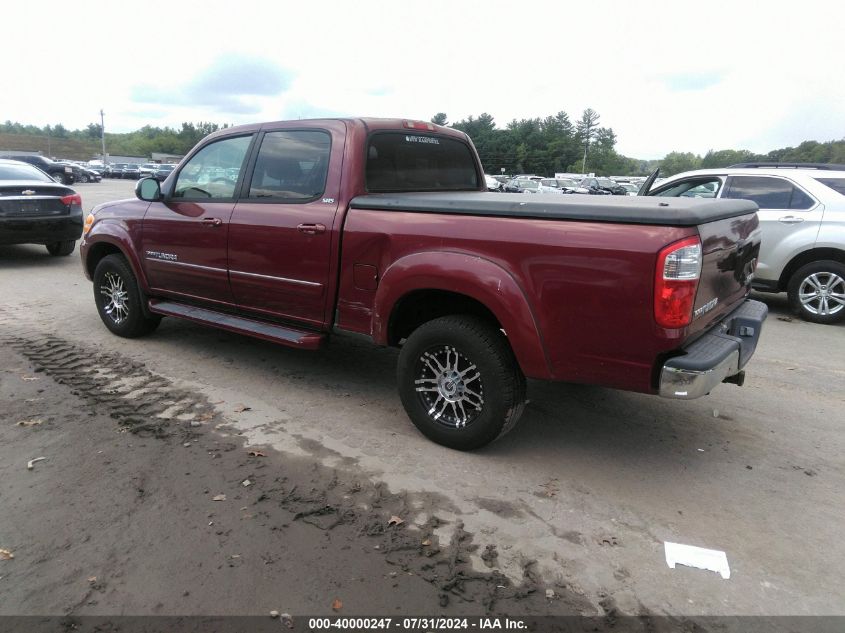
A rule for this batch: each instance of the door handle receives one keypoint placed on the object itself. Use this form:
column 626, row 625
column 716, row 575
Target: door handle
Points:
column 212, row 221
column 311, row 229
column 790, row 219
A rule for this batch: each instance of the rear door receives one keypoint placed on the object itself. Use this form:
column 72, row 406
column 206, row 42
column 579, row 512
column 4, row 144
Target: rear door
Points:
column 185, row 236
column 789, row 218
column 281, row 231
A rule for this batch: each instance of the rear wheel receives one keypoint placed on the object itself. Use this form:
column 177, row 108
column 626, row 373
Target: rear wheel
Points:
column 61, row 249
column 460, row 383
column 817, row 292
column 118, row 299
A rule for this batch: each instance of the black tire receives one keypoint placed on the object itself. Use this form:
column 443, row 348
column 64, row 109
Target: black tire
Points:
column 61, row 249
column 825, row 279
column 60, row 178
column 83, row 178
column 478, row 347
column 122, row 316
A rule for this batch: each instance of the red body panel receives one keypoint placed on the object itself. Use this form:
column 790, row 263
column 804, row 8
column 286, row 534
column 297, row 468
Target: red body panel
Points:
column 561, row 290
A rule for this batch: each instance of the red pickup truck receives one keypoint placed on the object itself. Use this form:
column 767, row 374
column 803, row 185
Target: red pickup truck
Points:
column 296, row 231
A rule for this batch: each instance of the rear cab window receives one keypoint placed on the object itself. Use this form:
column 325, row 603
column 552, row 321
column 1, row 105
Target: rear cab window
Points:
column 412, row 161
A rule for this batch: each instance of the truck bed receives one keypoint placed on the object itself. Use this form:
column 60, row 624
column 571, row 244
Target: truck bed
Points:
column 680, row 212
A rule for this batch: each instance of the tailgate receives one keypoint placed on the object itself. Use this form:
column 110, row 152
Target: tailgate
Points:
column 730, row 248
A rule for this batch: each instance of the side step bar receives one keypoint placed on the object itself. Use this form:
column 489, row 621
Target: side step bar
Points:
column 268, row 331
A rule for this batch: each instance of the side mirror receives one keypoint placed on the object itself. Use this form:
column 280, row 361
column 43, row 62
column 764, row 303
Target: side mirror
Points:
column 148, row 189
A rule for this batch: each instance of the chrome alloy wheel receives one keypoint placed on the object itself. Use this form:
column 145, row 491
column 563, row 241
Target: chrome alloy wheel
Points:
column 822, row 293
column 449, row 386
column 114, row 290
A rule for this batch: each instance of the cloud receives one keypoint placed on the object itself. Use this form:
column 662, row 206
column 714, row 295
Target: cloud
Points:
column 232, row 85
column 683, row 82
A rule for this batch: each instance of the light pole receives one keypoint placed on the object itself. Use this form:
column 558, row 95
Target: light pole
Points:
column 103, row 134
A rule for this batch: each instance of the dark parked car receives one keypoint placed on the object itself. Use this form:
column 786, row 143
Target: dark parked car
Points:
column 523, row 185
column 82, row 173
column 602, row 186
column 163, row 172
column 60, row 172
column 131, row 171
column 35, row 209
column 114, row 170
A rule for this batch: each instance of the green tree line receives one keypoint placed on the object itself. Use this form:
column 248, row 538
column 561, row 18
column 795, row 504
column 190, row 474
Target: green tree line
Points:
column 141, row 142
column 545, row 145
column 541, row 145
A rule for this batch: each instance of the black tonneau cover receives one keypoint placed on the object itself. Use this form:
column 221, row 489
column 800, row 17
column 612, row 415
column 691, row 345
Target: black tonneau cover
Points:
column 618, row 209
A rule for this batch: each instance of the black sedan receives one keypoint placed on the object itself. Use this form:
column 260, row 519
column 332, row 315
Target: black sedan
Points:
column 35, row 209
column 163, row 172
column 602, row 187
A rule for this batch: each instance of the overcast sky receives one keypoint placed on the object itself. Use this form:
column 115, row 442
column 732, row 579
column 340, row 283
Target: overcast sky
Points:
column 685, row 76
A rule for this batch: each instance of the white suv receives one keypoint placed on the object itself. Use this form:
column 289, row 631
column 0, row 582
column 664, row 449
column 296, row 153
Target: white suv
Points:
column 802, row 216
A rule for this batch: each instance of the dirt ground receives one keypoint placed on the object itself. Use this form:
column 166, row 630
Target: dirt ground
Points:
column 315, row 458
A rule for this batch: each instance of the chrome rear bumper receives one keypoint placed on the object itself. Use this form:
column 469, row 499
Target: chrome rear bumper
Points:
column 718, row 355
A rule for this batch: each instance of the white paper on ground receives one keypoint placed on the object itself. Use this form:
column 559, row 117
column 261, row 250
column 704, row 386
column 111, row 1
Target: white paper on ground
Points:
column 691, row 556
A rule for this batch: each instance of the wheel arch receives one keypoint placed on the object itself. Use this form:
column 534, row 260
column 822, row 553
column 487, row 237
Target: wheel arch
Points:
column 424, row 286
column 807, row 257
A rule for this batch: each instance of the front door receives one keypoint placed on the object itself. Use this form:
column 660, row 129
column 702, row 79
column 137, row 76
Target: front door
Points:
column 281, row 231
column 185, row 236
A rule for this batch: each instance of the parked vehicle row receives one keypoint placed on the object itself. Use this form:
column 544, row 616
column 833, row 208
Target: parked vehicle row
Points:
column 529, row 183
column 134, row 171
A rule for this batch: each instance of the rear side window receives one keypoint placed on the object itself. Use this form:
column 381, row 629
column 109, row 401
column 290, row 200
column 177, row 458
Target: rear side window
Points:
column 837, row 184
column 397, row 161
column 22, row 171
column 291, row 165
column 768, row 193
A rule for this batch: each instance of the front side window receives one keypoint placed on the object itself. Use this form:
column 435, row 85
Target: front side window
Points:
column 291, row 165
column 213, row 171
column 768, row 193
column 399, row 161
column 693, row 188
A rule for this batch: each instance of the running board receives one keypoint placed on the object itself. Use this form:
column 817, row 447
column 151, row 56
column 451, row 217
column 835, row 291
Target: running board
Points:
column 268, row 331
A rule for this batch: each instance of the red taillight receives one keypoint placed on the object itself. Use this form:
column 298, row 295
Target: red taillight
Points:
column 72, row 199
column 419, row 125
column 676, row 282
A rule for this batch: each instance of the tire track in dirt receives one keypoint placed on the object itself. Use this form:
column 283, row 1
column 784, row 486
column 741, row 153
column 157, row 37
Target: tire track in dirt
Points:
column 338, row 506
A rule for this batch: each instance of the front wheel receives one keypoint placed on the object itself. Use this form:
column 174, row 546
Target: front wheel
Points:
column 460, row 383
column 817, row 292
column 118, row 299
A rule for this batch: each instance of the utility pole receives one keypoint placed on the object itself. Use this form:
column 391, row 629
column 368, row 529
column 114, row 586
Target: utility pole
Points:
column 103, row 133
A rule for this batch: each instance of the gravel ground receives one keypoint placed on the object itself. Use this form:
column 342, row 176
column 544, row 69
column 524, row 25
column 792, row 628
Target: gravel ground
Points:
column 139, row 437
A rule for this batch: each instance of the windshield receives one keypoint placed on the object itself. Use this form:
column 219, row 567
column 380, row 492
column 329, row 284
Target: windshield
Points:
column 397, row 161
column 606, row 182
column 22, row 171
column 529, row 184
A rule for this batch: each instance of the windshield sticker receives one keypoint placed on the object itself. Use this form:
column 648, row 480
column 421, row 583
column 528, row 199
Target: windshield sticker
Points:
column 422, row 139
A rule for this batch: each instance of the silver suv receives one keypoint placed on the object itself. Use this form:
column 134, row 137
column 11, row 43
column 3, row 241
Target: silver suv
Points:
column 802, row 216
